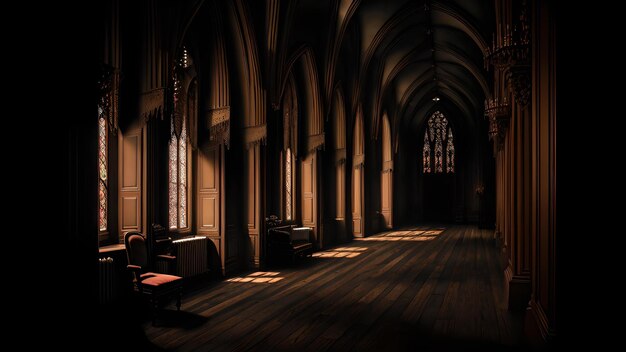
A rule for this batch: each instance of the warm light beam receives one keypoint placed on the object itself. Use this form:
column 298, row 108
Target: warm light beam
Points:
column 411, row 235
column 340, row 252
column 259, row 277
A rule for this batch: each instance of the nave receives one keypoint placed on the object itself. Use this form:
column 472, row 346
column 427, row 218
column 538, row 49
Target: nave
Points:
column 419, row 288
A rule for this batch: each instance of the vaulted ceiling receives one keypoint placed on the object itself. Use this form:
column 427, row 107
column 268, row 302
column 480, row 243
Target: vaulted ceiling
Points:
column 397, row 55
column 390, row 56
column 412, row 51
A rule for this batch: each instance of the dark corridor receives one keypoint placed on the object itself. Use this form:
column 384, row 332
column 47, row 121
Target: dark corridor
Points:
column 439, row 198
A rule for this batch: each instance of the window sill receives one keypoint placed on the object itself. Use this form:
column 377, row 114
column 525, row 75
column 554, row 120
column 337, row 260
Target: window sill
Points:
column 112, row 248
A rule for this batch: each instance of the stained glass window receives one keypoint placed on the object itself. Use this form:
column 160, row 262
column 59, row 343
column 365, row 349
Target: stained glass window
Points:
column 426, row 153
column 288, row 184
column 178, row 179
column 103, row 189
column 450, row 152
column 178, row 148
column 437, row 133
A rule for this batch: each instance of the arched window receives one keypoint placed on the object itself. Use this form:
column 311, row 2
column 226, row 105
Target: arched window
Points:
column 103, row 171
column 437, row 133
column 288, row 184
column 450, row 152
column 178, row 177
column 107, row 125
column 426, row 154
column 179, row 151
column 290, row 145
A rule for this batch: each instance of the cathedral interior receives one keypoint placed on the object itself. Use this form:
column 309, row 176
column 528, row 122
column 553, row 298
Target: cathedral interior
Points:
column 319, row 175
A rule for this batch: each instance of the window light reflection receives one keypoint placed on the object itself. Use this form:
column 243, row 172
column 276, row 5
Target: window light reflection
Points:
column 410, row 235
column 340, row 252
column 259, row 277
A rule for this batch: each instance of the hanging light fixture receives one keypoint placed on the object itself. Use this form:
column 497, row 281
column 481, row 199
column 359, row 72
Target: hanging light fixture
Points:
column 510, row 53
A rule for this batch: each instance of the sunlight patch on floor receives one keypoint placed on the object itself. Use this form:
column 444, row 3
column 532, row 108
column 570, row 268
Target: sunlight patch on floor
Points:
column 349, row 249
column 411, row 235
column 259, row 277
column 341, row 252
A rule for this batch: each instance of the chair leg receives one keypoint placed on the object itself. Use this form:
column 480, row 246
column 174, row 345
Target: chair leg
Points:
column 180, row 295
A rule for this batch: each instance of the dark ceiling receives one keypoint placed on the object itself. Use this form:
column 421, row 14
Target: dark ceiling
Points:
column 425, row 49
column 408, row 52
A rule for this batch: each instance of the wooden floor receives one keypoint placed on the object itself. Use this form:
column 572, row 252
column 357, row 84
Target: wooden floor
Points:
column 423, row 288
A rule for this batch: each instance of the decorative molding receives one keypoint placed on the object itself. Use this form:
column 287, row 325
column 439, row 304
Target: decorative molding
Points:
column 108, row 86
column 519, row 80
column 315, row 142
column 151, row 103
column 497, row 133
column 218, row 120
column 358, row 160
column 255, row 134
column 340, row 156
column 388, row 166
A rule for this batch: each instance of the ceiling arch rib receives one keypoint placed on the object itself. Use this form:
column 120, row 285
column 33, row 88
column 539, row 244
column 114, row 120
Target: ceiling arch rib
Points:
column 426, row 80
column 409, row 60
column 461, row 60
column 449, row 14
column 392, row 54
column 451, row 46
column 423, row 97
column 346, row 10
column 373, row 36
column 463, row 84
column 421, row 112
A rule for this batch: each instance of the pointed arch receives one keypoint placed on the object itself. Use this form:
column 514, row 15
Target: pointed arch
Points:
column 290, row 149
column 252, row 95
column 303, row 67
column 180, row 163
column 339, row 124
column 217, row 113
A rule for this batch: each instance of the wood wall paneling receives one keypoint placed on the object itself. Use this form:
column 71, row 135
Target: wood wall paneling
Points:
column 209, row 200
column 130, row 173
column 253, row 207
column 309, row 193
column 357, row 205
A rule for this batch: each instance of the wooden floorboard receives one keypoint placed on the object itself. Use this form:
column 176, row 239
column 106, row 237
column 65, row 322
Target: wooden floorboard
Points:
column 425, row 287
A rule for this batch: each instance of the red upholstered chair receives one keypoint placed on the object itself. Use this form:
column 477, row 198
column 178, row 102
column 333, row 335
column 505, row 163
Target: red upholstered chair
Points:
column 154, row 285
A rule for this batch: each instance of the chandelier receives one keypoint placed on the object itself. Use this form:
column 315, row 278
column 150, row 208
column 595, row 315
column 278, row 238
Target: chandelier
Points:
column 497, row 111
column 511, row 46
column 510, row 53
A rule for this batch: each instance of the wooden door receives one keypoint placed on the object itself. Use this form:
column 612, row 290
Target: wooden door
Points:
column 386, row 196
column 309, row 193
column 357, row 201
column 209, row 200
